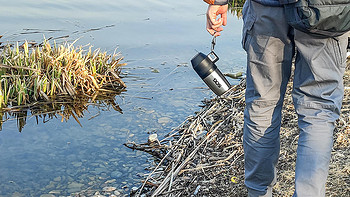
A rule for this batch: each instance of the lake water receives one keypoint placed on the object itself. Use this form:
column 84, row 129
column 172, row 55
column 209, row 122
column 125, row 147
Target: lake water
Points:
column 157, row 40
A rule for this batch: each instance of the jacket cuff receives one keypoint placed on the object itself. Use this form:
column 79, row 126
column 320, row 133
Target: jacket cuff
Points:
column 216, row 2
column 283, row 2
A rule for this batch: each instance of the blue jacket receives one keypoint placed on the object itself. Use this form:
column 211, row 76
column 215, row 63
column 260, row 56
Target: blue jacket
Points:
column 263, row 2
column 269, row 2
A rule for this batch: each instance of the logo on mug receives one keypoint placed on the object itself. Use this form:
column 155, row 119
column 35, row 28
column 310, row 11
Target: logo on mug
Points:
column 217, row 83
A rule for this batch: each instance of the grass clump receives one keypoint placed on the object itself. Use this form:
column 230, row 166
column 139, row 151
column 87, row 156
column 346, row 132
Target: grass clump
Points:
column 44, row 72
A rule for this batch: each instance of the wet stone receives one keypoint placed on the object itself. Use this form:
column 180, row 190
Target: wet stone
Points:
column 51, row 185
column 97, row 194
column 47, row 195
column 57, row 179
column 100, row 170
column 104, row 156
column 55, row 192
column 152, row 138
column 124, row 130
column 164, row 120
column 116, row 174
column 77, row 164
column 17, row 194
column 99, row 145
column 74, row 187
column 109, row 189
column 134, row 189
column 111, row 181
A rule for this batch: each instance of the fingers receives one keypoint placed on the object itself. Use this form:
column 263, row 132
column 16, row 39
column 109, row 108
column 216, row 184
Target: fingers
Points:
column 214, row 32
column 224, row 18
column 211, row 29
column 212, row 14
column 214, row 24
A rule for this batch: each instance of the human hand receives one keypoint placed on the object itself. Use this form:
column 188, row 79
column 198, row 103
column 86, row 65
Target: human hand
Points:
column 214, row 24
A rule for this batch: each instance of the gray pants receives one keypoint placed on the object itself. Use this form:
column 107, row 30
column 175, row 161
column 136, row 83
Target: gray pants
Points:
column 271, row 44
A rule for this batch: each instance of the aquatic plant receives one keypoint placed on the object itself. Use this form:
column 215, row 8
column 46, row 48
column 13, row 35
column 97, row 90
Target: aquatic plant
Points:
column 46, row 81
column 43, row 72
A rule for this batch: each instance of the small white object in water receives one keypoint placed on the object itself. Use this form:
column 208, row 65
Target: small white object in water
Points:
column 153, row 138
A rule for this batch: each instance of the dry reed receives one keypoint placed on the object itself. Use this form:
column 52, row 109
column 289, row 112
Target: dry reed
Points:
column 41, row 73
column 61, row 80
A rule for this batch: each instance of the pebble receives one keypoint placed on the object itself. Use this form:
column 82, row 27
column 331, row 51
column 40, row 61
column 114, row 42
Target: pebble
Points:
column 111, row 181
column 100, row 170
column 57, row 179
column 104, row 156
column 150, row 111
column 164, row 120
column 116, row 174
column 124, row 130
column 74, row 187
column 109, row 189
column 55, row 192
column 47, row 195
column 98, row 195
column 153, row 138
column 17, row 194
column 99, row 145
column 77, row 164
column 134, row 189
column 51, row 185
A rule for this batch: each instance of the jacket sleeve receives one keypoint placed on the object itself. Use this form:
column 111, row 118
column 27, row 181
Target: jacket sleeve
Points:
column 216, row 2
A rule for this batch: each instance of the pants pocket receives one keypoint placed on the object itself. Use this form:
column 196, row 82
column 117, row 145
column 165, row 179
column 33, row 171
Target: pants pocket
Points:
column 249, row 18
column 339, row 47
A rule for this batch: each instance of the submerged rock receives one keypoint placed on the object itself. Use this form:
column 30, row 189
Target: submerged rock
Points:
column 164, row 120
column 109, row 189
column 116, row 174
column 74, row 187
column 47, row 195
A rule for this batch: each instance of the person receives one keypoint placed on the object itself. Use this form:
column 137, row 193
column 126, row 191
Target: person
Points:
column 272, row 46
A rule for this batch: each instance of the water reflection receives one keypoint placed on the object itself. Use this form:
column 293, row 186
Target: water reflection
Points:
column 235, row 7
column 62, row 107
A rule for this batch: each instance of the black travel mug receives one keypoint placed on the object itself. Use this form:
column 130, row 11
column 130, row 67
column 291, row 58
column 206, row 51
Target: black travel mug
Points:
column 205, row 67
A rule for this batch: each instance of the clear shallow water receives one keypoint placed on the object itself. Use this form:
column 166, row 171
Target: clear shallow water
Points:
column 157, row 39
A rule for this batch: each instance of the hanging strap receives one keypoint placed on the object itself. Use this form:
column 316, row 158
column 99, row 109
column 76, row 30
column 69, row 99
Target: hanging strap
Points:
column 213, row 42
column 212, row 56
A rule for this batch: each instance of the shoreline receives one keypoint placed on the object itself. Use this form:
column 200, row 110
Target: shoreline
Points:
column 204, row 155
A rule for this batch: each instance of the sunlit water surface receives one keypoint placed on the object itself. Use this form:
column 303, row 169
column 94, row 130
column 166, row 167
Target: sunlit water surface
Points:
column 157, row 39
